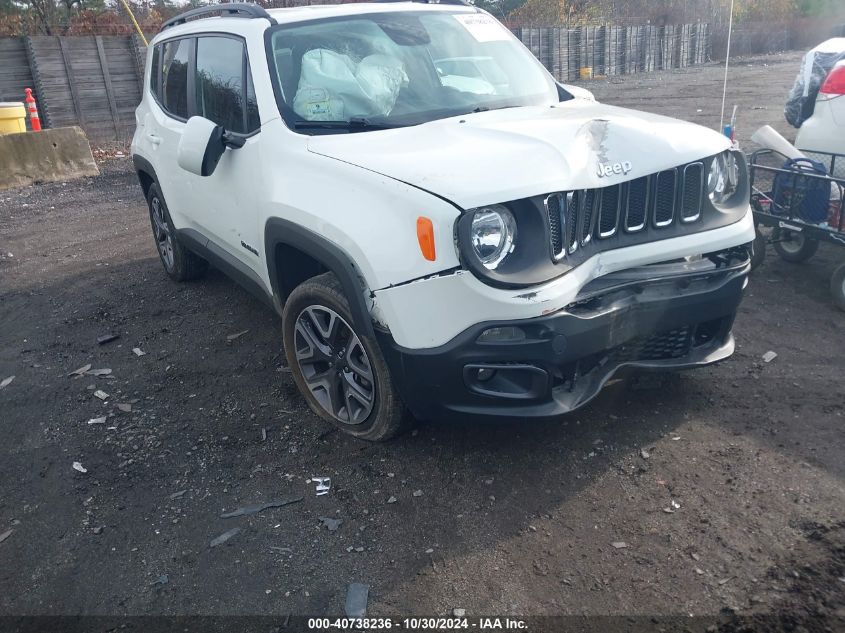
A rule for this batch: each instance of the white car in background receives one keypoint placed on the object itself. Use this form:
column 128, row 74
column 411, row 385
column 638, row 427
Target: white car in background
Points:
column 823, row 134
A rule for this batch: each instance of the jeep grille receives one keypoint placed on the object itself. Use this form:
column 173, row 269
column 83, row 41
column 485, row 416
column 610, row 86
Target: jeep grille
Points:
column 650, row 203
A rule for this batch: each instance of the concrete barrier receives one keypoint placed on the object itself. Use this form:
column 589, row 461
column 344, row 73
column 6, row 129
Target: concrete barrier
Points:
column 47, row 156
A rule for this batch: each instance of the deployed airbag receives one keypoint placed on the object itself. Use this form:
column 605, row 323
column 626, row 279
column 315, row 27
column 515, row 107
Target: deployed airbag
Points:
column 333, row 87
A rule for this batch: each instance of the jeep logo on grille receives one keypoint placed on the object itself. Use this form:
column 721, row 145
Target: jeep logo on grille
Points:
column 608, row 169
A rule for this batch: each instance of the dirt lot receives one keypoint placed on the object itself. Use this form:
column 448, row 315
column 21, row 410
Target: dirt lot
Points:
column 511, row 518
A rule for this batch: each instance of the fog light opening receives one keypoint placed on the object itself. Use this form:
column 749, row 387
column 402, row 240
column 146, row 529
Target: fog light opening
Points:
column 505, row 334
column 506, row 380
column 484, row 374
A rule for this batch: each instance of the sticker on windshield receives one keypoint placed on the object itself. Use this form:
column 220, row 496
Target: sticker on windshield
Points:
column 314, row 104
column 482, row 27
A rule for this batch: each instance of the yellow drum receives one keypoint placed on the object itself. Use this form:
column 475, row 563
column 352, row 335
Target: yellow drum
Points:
column 12, row 118
column 586, row 72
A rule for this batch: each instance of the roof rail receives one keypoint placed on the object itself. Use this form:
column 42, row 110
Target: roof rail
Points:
column 460, row 2
column 232, row 9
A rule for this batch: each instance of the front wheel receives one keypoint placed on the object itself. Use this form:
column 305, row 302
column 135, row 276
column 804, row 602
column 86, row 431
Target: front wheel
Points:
column 340, row 371
column 793, row 246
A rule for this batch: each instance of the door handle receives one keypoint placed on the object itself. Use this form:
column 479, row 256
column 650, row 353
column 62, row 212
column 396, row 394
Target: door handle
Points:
column 154, row 139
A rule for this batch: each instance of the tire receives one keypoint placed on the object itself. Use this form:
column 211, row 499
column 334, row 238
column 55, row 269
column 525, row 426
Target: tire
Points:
column 837, row 286
column 792, row 246
column 758, row 249
column 180, row 263
column 340, row 372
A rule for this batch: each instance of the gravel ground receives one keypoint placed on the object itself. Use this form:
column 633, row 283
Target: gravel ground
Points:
column 757, row 85
column 509, row 518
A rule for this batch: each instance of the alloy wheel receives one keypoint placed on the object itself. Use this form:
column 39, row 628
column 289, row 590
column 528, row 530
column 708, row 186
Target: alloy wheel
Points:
column 334, row 364
column 161, row 230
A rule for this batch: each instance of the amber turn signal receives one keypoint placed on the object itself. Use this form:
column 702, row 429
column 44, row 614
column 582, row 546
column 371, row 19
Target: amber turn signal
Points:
column 425, row 236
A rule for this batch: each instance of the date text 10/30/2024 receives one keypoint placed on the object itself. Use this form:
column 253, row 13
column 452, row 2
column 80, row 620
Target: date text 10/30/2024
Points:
column 417, row 624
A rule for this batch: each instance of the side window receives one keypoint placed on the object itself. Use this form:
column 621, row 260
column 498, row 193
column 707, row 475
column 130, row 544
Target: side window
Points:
column 174, row 76
column 154, row 70
column 224, row 90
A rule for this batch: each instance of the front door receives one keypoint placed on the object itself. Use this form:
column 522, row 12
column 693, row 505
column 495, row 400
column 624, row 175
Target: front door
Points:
column 208, row 76
column 226, row 201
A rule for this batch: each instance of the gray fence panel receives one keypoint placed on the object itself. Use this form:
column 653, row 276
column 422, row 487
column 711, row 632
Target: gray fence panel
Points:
column 126, row 81
column 14, row 70
column 50, row 71
column 614, row 50
column 91, row 81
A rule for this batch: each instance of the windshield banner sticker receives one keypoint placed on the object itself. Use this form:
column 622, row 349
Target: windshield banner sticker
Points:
column 483, row 28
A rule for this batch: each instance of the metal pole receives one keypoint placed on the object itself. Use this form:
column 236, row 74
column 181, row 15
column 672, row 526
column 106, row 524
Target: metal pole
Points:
column 727, row 63
column 135, row 22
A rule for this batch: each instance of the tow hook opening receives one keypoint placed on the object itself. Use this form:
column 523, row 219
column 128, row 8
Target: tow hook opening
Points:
column 706, row 332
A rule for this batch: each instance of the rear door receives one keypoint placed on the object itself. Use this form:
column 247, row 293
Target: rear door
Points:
column 165, row 121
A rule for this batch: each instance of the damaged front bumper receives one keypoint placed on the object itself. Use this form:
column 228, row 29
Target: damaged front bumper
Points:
column 668, row 316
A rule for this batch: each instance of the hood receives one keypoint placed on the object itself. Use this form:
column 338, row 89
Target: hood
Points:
column 504, row 155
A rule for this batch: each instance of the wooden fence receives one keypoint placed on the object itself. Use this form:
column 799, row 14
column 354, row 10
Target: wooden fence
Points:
column 15, row 73
column 96, row 81
column 616, row 50
column 91, row 81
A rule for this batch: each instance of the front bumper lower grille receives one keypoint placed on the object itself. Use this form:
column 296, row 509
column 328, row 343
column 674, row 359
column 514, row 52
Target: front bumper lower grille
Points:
column 665, row 345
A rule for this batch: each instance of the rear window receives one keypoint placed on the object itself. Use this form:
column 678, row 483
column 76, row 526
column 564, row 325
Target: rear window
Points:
column 174, row 77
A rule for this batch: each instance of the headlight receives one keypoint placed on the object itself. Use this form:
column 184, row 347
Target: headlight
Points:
column 723, row 179
column 492, row 234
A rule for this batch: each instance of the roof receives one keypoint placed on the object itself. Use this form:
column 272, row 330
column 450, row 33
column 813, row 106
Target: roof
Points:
column 298, row 14
column 245, row 19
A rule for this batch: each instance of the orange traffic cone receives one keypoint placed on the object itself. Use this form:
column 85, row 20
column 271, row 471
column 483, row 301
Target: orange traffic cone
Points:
column 33, row 111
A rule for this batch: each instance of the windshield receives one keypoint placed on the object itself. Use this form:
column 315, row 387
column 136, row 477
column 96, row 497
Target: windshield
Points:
column 401, row 68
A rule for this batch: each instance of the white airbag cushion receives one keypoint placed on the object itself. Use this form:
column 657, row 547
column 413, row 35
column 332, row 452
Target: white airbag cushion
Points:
column 332, row 87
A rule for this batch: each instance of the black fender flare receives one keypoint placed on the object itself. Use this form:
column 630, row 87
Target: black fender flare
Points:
column 142, row 165
column 278, row 231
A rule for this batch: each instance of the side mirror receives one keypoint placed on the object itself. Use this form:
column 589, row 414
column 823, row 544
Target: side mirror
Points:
column 202, row 145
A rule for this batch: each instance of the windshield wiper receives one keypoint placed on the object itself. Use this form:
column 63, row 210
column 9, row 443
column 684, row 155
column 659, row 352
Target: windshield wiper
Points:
column 355, row 123
column 488, row 108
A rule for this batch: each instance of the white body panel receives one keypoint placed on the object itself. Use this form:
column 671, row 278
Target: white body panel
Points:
column 825, row 130
column 363, row 192
column 371, row 217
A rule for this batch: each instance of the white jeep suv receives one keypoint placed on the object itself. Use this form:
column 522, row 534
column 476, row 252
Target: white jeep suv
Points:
column 491, row 244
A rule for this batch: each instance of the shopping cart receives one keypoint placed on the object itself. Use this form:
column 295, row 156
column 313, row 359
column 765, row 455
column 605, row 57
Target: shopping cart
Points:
column 802, row 201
